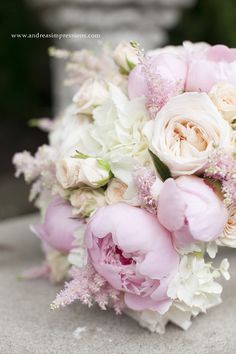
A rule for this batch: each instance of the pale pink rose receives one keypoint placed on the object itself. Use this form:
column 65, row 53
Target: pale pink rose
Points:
column 191, row 210
column 58, row 227
column 134, row 253
column 168, row 68
column 210, row 66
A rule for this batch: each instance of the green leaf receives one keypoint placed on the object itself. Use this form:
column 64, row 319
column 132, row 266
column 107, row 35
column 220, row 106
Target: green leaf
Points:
column 161, row 168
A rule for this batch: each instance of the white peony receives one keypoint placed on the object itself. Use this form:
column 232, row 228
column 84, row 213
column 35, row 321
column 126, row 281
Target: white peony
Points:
column 73, row 172
column 223, row 96
column 125, row 56
column 185, row 132
column 91, row 94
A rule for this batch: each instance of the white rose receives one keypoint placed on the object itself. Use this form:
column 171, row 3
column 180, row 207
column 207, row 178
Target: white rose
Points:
column 223, row 96
column 91, row 94
column 68, row 172
column 115, row 191
column 86, row 200
column 228, row 237
column 185, row 131
column 72, row 172
column 125, row 56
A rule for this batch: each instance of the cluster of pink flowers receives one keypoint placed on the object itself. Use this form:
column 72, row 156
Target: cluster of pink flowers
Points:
column 138, row 181
column 222, row 167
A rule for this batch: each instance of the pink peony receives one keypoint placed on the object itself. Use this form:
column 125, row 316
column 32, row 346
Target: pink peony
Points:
column 165, row 67
column 210, row 66
column 134, row 253
column 191, row 210
column 58, row 227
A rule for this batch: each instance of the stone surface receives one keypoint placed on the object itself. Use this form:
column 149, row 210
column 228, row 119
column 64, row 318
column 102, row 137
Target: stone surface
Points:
column 29, row 327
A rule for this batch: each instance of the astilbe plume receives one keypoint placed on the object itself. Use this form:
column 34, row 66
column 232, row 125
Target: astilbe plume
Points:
column 222, row 167
column 39, row 169
column 85, row 64
column 89, row 287
column 160, row 90
column 144, row 178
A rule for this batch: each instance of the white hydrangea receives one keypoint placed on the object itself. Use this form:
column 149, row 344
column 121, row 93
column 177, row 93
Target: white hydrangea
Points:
column 194, row 287
column 116, row 135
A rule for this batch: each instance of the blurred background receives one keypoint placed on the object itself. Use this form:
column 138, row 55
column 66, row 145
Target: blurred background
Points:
column 31, row 82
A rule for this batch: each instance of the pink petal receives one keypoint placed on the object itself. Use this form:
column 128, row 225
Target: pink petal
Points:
column 171, row 206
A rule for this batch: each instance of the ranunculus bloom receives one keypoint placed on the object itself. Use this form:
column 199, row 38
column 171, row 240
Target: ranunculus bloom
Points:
column 58, row 227
column 185, row 131
column 210, row 66
column 167, row 67
column 134, row 253
column 191, row 210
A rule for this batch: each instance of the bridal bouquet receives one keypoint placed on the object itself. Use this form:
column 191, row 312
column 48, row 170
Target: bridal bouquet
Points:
column 137, row 186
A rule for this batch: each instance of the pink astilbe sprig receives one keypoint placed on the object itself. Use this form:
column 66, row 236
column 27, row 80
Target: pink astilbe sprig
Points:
column 159, row 89
column 222, row 167
column 144, row 178
column 89, row 287
column 38, row 169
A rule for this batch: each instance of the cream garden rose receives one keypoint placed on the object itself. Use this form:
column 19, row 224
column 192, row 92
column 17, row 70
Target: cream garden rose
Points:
column 86, row 200
column 223, row 96
column 228, row 237
column 73, row 172
column 91, row 94
column 185, row 131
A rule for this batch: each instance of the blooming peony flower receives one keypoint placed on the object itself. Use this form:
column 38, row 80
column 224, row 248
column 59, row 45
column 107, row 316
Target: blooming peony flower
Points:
column 134, row 253
column 185, row 132
column 211, row 66
column 166, row 67
column 191, row 210
column 223, row 96
column 58, row 227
